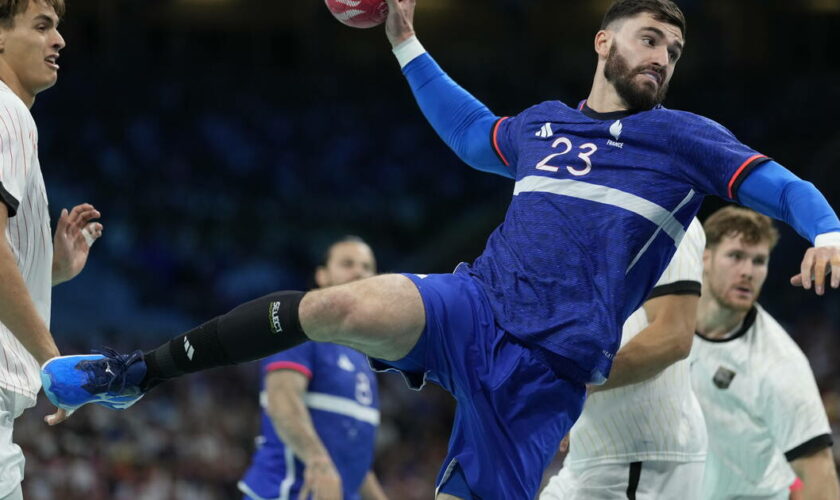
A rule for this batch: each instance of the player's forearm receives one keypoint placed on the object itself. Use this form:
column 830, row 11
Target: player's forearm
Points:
column 654, row 349
column 293, row 424
column 460, row 119
column 818, row 475
column 17, row 311
column 371, row 489
column 775, row 191
column 824, row 488
column 59, row 272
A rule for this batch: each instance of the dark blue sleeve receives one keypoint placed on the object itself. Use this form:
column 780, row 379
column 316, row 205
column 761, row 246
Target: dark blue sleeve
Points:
column 775, row 191
column 300, row 359
column 464, row 123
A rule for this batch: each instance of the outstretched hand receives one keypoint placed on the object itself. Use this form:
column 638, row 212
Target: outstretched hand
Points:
column 74, row 235
column 399, row 26
column 816, row 265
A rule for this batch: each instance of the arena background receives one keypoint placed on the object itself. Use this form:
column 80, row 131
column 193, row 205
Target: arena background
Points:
column 227, row 141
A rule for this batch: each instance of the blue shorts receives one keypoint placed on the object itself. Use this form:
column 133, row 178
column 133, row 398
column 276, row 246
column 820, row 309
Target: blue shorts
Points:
column 512, row 406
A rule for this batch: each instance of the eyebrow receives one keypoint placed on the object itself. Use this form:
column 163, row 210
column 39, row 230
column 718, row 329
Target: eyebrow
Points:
column 661, row 33
column 45, row 18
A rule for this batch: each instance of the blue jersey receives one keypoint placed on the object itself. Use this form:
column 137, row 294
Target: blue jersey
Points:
column 600, row 204
column 343, row 402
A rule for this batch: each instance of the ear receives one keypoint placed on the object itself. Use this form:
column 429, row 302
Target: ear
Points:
column 603, row 43
column 321, row 277
column 707, row 258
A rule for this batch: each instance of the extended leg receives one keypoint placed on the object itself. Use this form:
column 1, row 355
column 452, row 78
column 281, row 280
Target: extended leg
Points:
column 381, row 316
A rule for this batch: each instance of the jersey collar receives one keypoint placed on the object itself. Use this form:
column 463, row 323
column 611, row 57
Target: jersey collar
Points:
column 749, row 319
column 612, row 115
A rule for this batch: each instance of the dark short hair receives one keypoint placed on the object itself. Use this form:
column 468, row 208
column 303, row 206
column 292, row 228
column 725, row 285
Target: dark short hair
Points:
column 734, row 221
column 10, row 8
column 350, row 238
column 665, row 11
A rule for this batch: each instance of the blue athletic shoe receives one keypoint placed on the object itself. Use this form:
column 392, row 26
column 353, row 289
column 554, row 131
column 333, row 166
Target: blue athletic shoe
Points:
column 106, row 378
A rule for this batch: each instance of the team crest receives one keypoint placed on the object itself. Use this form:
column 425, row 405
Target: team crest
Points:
column 723, row 377
column 615, row 130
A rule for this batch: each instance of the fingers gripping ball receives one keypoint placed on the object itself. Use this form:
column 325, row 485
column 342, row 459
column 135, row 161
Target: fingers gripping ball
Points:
column 359, row 13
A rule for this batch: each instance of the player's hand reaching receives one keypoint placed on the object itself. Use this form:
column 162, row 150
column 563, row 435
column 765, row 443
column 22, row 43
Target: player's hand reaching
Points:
column 74, row 235
column 321, row 480
column 816, row 265
column 59, row 416
column 400, row 23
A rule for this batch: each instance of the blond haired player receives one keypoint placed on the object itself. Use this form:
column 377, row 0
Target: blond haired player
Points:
column 765, row 420
column 29, row 263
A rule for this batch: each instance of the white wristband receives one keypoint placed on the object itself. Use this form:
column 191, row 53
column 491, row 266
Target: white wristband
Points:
column 828, row 240
column 408, row 50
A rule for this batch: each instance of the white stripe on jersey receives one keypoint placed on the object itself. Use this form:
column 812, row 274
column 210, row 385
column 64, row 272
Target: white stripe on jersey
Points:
column 335, row 404
column 760, row 400
column 659, row 419
column 28, row 234
column 608, row 196
column 342, row 406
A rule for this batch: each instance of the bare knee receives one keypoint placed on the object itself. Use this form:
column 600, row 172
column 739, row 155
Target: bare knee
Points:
column 326, row 315
column 381, row 316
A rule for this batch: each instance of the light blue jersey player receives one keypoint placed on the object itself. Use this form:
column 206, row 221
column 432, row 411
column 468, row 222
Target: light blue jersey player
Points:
column 602, row 196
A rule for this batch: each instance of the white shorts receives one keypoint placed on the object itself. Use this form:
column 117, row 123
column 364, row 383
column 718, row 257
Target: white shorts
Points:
column 651, row 480
column 12, row 462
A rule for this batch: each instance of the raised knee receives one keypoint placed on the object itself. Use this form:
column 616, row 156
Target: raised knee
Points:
column 330, row 314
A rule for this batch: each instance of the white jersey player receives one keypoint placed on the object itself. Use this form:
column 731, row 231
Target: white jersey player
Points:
column 765, row 420
column 29, row 262
column 645, row 440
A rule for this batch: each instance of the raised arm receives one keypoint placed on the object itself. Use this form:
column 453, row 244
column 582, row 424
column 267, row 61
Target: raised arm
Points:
column 775, row 191
column 464, row 123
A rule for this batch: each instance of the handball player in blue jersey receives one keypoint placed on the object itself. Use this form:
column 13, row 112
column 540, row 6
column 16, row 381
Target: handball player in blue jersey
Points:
column 602, row 194
column 320, row 408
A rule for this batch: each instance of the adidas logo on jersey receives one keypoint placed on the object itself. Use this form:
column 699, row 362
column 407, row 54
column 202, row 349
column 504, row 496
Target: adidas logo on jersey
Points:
column 615, row 131
column 545, row 131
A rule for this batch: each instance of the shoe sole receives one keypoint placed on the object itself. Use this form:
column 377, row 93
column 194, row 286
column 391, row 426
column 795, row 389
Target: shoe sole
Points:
column 113, row 402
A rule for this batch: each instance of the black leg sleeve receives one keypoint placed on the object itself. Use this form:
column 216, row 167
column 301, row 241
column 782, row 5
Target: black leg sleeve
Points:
column 251, row 331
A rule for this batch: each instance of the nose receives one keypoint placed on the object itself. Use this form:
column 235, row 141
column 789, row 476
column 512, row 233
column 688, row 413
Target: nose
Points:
column 58, row 42
column 661, row 57
column 747, row 269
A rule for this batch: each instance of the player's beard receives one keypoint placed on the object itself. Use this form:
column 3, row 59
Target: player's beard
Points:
column 637, row 97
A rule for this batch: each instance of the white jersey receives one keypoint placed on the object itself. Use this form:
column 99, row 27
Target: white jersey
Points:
column 658, row 419
column 762, row 409
column 28, row 233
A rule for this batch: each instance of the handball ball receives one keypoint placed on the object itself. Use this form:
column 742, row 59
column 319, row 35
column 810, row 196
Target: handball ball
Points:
column 359, row 13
